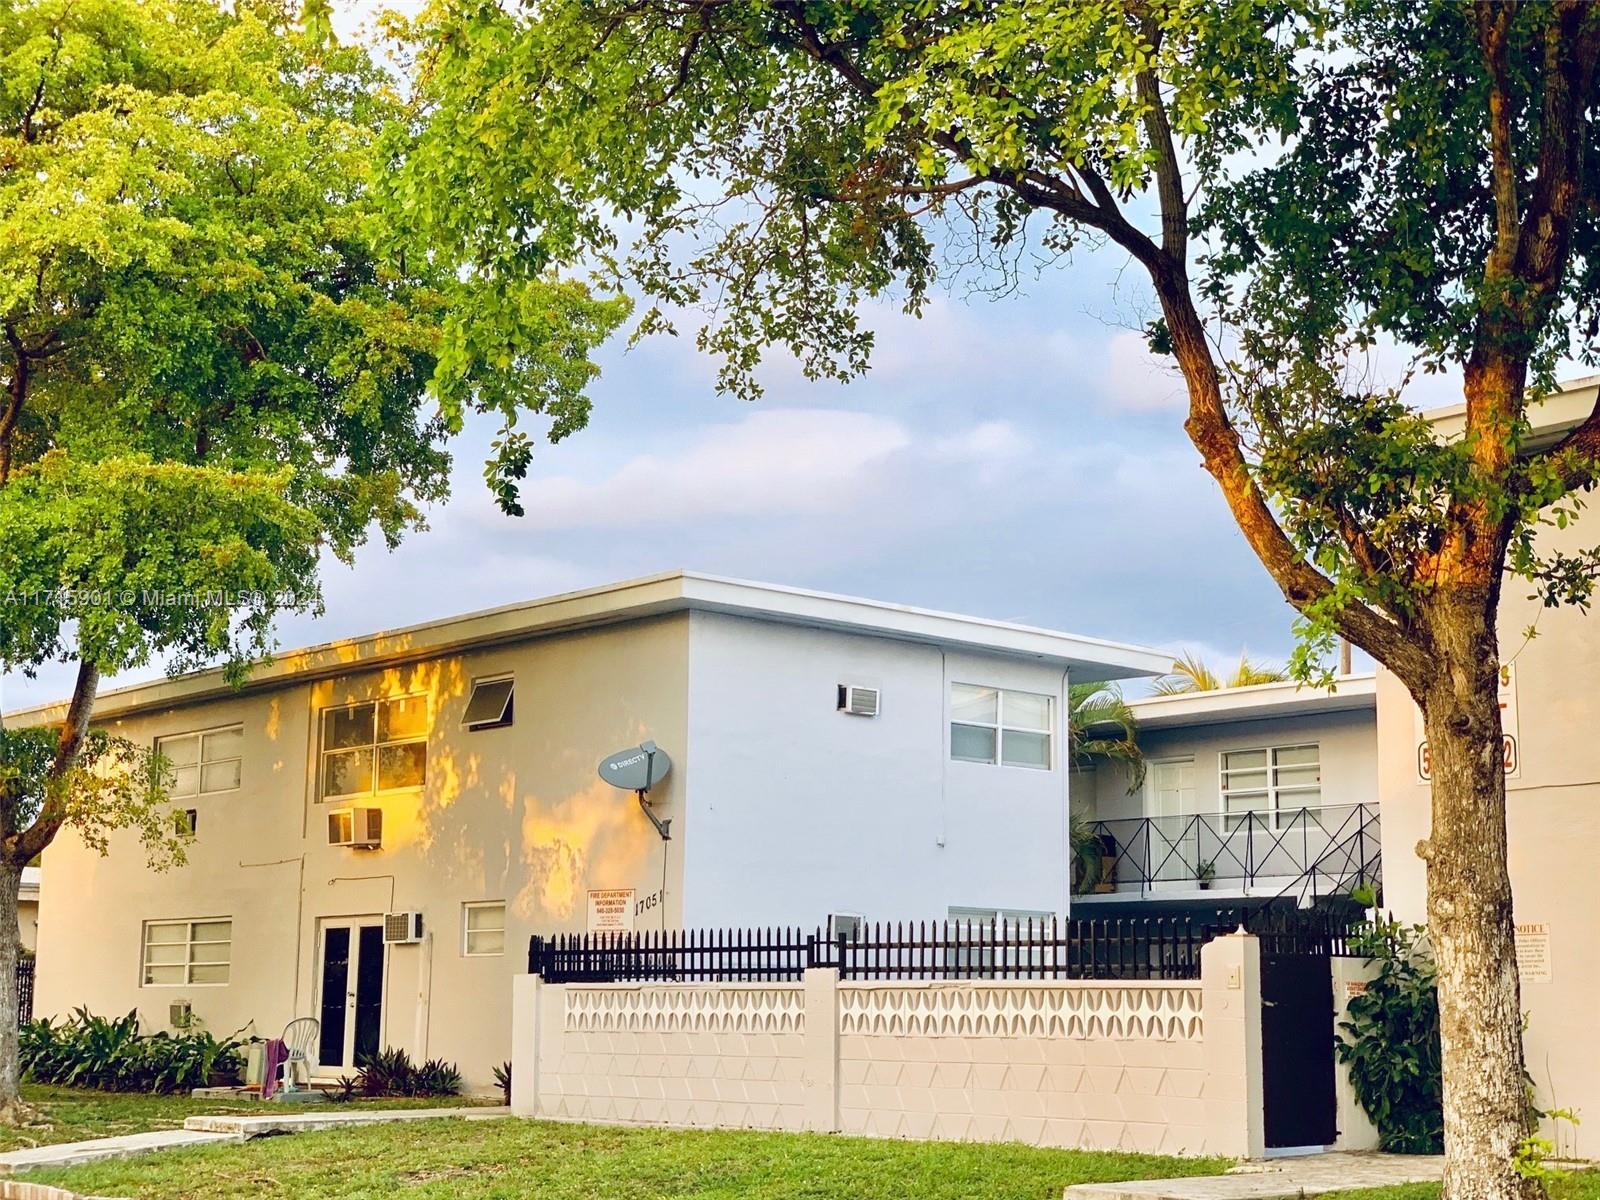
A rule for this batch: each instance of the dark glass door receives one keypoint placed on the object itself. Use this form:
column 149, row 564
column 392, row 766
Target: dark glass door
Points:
column 335, row 983
column 350, row 1001
column 369, row 993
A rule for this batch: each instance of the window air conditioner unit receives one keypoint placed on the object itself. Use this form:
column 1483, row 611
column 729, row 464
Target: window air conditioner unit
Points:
column 402, row 928
column 361, row 828
column 180, row 1014
column 858, row 701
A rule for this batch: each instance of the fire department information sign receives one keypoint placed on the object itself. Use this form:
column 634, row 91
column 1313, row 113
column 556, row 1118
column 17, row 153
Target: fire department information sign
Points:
column 611, row 910
column 1533, row 952
column 1508, row 727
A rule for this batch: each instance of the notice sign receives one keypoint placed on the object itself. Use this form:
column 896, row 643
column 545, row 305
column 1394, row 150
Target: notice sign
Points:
column 1511, row 750
column 1533, row 952
column 611, row 910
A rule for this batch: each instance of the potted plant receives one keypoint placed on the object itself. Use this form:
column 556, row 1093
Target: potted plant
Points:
column 1205, row 873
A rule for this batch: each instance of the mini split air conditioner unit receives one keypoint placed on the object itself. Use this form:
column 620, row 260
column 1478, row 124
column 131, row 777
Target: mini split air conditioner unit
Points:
column 359, row 828
column 402, row 928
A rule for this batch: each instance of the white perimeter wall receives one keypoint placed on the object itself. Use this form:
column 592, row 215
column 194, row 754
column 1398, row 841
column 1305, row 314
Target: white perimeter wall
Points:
column 798, row 810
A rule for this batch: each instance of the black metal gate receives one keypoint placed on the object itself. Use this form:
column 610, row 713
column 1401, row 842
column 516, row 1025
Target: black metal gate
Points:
column 1297, row 1050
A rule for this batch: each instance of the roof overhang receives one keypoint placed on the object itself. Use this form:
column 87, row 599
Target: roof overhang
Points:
column 634, row 600
column 1551, row 416
column 1265, row 701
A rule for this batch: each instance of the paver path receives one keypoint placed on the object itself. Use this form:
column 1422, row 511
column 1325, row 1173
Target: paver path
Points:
column 1273, row 1178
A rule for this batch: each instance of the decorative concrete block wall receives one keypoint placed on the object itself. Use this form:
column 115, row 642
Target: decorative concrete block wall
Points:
column 1169, row 1067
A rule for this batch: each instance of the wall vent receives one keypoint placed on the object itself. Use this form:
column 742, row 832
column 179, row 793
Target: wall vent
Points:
column 858, row 701
column 180, row 1014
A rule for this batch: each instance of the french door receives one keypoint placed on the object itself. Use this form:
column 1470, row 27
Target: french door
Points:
column 350, row 1004
column 1174, row 800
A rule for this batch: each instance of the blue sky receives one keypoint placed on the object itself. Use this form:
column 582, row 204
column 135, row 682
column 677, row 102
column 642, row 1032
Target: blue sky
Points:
column 1020, row 458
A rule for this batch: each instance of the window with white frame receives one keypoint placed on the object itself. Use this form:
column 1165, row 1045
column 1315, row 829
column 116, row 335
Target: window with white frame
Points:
column 491, row 705
column 483, row 928
column 998, row 725
column 376, row 747
column 185, row 953
column 204, row 762
column 1269, row 782
column 975, row 933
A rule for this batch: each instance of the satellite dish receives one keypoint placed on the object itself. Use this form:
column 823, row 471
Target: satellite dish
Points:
column 637, row 769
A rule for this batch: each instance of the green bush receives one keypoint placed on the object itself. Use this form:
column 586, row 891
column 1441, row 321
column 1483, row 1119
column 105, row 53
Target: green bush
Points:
column 112, row 1055
column 1390, row 1040
column 391, row 1072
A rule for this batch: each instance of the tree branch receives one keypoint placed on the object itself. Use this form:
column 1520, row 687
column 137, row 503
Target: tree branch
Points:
column 74, row 729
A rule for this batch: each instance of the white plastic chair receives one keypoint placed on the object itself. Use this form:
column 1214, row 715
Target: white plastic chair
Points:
column 299, row 1040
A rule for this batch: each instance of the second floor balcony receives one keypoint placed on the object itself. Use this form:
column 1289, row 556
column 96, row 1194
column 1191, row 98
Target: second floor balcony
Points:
column 1304, row 853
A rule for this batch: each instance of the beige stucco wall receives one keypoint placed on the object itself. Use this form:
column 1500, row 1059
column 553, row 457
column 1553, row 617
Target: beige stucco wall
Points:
column 28, row 924
column 1553, row 822
column 514, row 814
column 1170, row 1067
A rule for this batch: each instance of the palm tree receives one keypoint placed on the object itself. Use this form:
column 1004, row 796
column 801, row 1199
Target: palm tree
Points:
column 1191, row 674
column 1102, row 728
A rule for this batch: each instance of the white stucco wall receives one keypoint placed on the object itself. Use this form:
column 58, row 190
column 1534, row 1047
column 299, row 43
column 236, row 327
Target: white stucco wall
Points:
column 798, row 810
column 1346, row 740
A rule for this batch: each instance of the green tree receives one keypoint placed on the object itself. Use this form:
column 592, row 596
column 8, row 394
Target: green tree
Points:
column 1298, row 181
column 1190, row 673
column 1102, row 728
column 216, row 363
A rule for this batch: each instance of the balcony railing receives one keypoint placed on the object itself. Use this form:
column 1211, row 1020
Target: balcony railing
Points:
column 1304, row 852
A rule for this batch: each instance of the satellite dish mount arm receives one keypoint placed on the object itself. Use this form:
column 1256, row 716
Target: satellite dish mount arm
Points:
column 662, row 827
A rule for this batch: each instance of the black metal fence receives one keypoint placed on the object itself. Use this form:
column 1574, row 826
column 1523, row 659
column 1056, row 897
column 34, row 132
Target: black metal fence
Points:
column 1326, row 849
column 1119, row 948
column 25, row 968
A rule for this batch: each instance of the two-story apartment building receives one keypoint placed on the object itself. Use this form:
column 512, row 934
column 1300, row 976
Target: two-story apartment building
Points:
column 1249, row 794
column 381, row 824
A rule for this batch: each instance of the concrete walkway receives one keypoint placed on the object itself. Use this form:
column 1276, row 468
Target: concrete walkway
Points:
column 250, row 1125
column 71, row 1154
column 207, row 1131
column 1276, row 1178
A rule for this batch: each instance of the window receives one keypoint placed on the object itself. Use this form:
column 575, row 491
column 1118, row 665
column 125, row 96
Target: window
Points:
column 845, row 925
column 180, row 953
column 490, row 705
column 974, row 932
column 378, row 747
column 990, row 725
column 204, row 762
column 1269, row 782
column 483, row 928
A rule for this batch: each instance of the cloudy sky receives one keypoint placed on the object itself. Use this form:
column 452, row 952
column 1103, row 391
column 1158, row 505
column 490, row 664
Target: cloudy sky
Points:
column 1020, row 458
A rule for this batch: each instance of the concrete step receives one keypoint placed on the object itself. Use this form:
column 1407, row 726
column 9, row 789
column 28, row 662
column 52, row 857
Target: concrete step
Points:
column 1276, row 1178
column 252, row 1125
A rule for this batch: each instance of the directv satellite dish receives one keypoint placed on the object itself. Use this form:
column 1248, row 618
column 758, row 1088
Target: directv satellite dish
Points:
column 637, row 769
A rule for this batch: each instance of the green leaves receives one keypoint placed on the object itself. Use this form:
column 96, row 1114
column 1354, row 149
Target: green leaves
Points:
column 223, row 355
column 1390, row 1041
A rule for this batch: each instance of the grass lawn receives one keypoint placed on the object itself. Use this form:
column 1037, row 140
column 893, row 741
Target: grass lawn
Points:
column 502, row 1160
column 1576, row 1185
column 76, row 1114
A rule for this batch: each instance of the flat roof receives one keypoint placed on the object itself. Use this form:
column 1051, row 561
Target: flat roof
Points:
column 632, row 600
column 1262, row 701
column 1551, row 416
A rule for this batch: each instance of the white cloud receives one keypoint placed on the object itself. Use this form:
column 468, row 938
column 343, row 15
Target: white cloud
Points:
column 1136, row 380
column 772, row 463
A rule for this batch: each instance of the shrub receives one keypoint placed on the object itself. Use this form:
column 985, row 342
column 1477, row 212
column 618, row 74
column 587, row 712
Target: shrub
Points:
column 502, row 1077
column 1390, row 1040
column 112, row 1055
column 390, row 1072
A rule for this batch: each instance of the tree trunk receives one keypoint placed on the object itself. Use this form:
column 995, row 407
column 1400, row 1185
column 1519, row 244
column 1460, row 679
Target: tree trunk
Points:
column 12, row 1110
column 1469, row 909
